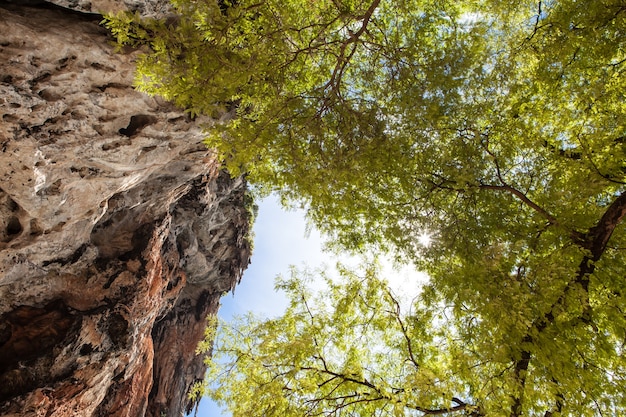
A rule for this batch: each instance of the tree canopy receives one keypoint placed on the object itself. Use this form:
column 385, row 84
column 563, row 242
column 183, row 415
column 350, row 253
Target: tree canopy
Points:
column 358, row 349
column 496, row 126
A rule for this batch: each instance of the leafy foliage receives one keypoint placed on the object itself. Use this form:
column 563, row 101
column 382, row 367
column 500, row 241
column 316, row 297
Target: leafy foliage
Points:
column 358, row 355
column 497, row 126
column 356, row 349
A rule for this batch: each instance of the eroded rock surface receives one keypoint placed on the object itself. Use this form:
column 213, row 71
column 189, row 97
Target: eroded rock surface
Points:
column 118, row 233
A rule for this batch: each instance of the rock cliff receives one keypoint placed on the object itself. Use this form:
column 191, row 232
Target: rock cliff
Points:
column 118, row 232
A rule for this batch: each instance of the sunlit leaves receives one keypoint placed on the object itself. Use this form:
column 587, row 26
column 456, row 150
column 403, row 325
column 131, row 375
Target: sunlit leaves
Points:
column 350, row 350
column 353, row 349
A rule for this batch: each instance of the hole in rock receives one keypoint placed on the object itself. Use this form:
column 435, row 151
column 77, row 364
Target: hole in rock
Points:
column 14, row 227
column 137, row 123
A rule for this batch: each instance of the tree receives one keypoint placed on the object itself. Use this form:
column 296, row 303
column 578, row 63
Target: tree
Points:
column 496, row 126
column 349, row 350
column 358, row 349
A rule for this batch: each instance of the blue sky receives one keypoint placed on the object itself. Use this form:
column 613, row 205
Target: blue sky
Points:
column 281, row 240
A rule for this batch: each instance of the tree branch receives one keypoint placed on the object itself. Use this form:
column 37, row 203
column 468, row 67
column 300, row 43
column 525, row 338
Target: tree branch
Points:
column 599, row 235
column 381, row 395
column 403, row 328
column 517, row 193
column 342, row 59
column 576, row 236
column 595, row 240
column 520, row 370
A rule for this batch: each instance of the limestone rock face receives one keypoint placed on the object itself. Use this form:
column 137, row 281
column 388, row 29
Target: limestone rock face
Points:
column 118, row 232
column 146, row 8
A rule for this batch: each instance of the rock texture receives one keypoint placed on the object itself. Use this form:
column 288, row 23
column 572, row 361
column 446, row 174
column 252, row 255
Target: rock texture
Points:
column 118, row 232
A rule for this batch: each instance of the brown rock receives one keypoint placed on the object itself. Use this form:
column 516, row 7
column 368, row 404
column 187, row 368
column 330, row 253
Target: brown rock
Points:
column 118, row 232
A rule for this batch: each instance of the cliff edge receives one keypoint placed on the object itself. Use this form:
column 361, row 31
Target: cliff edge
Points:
column 118, row 232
